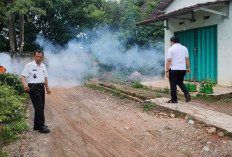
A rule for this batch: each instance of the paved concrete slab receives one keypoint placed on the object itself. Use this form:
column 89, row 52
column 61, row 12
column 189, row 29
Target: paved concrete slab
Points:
column 216, row 119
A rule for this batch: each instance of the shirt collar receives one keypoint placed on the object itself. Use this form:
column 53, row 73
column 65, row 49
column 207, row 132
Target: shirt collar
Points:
column 177, row 44
column 36, row 65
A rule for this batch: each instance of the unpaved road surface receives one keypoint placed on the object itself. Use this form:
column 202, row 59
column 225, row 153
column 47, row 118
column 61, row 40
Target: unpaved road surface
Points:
column 91, row 123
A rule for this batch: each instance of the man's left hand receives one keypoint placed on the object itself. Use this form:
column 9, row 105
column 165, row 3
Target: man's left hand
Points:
column 167, row 74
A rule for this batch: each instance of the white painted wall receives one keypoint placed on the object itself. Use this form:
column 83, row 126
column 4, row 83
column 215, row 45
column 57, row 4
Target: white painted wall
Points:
column 179, row 4
column 225, row 50
column 224, row 35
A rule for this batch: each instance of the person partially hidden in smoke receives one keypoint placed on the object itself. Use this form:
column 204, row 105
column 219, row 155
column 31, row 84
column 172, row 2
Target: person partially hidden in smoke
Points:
column 36, row 74
column 177, row 59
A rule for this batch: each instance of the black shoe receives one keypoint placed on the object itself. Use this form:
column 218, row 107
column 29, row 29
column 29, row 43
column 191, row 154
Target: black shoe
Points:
column 188, row 98
column 37, row 128
column 170, row 101
column 44, row 129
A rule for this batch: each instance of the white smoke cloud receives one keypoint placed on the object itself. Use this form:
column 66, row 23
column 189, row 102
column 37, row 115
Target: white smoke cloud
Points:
column 13, row 64
column 71, row 64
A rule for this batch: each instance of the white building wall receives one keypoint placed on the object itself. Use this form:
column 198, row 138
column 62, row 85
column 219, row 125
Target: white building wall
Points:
column 179, row 4
column 225, row 50
column 224, row 35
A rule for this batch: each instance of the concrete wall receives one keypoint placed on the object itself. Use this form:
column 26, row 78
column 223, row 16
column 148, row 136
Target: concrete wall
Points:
column 224, row 35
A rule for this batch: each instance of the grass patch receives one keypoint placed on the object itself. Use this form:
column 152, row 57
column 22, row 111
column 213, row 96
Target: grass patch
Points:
column 148, row 105
column 158, row 96
column 226, row 100
column 116, row 93
column 118, row 90
column 212, row 99
column 205, row 98
column 138, row 85
column 226, row 133
column 165, row 90
column 93, row 86
column 3, row 154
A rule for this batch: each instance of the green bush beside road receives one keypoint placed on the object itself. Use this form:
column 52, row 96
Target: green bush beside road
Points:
column 12, row 108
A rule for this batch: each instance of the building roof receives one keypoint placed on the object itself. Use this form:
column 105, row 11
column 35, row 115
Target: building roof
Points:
column 159, row 16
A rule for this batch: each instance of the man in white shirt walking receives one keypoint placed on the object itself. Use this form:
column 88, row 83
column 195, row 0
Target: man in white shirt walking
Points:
column 36, row 74
column 177, row 59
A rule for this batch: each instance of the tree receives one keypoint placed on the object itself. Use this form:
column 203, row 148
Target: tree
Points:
column 20, row 8
column 124, row 14
column 11, row 25
column 95, row 15
column 113, row 13
column 3, row 18
column 3, row 25
column 62, row 20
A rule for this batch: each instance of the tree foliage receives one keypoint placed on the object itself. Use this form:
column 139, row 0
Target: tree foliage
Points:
column 62, row 20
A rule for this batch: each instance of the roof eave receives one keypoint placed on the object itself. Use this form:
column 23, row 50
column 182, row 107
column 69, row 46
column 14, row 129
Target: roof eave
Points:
column 183, row 11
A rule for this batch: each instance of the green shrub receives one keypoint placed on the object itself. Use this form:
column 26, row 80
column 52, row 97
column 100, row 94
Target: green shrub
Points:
column 12, row 80
column 12, row 117
column 12, row 110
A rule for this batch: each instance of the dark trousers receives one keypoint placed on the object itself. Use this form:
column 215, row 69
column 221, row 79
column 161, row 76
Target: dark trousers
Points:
column 176, row 77
column 37, row 94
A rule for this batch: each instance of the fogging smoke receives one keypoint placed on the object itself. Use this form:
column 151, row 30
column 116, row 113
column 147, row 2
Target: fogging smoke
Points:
column 71, row 64
column 13, row 64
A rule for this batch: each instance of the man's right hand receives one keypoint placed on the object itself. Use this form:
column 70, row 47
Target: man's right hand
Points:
column 26, row 88
column 188, row 71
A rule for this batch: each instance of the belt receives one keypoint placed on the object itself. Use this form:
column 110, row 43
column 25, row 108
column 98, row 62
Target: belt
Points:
column 36, row 84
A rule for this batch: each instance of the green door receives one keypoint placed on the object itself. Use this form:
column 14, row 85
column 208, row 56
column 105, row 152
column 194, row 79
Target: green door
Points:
column 202, row 47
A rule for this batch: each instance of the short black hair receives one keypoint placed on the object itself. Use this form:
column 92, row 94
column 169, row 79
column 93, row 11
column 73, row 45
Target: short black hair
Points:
column 39, row 51
column 175, row 39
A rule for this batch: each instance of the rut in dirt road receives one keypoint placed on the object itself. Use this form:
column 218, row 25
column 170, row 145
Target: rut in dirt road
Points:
column 86, row 122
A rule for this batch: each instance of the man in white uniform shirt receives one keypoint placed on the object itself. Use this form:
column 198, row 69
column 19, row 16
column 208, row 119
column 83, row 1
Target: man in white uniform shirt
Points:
column 36, row 74
column 177, row 59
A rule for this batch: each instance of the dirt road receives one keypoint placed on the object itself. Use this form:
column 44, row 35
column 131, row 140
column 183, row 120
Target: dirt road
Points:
column 86, row 122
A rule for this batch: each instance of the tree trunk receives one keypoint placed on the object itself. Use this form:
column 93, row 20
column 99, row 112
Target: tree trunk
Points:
column 21, row 36
column 12, row 33
column 11, row 27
